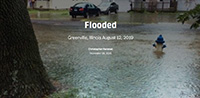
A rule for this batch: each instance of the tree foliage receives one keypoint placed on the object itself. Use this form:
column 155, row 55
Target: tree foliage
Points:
column 192, row 14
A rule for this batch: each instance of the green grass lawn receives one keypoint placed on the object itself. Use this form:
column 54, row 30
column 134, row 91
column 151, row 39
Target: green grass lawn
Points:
column 70, row 93
column 60, row 12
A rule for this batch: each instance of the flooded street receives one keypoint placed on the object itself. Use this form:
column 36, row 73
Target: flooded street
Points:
column 134, row 69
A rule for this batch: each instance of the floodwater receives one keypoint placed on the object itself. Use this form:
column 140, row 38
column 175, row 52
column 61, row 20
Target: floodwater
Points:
column 134, row 69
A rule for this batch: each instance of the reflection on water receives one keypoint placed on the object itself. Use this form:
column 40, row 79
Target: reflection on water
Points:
column 159, row 54
column 120, row 18
column 139, row 18
column 49, row 16
column 134, row 70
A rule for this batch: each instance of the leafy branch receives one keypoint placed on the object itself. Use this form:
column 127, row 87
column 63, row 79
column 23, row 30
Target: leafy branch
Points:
column 192, row 14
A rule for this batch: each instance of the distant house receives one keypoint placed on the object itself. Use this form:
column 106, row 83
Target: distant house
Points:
column 166, row 5
column 186, row 5
column 154, row 5
column 124, row 5
column 60, row 4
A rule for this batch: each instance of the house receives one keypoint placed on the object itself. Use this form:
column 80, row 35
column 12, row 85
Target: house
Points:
column 124, row 5
column 154, row 5
column 165, row 5
column 186, row 5
column 59, row 4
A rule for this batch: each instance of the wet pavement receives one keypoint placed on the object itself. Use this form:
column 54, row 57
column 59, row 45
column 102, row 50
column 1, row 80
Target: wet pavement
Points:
column 135, row 69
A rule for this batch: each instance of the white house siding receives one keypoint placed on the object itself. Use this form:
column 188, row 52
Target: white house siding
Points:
column 28, row 4
column 43, row 4
column 186, row 6
column 60, row 4
column 145, row 4
column 124, row 5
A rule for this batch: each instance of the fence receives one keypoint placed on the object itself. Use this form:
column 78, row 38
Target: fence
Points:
column 154, row 6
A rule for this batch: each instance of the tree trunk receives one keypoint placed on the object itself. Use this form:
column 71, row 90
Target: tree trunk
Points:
column 22, row 74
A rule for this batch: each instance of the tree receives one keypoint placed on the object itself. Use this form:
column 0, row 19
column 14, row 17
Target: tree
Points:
column 22, row 74
column 192, row 14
